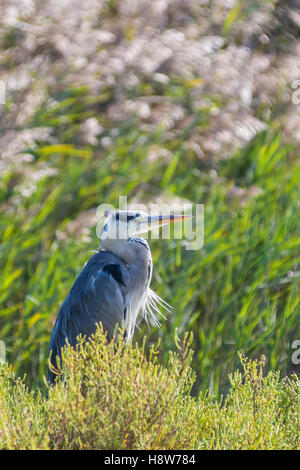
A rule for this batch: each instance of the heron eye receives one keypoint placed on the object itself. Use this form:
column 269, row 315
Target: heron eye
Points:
column 105, row 228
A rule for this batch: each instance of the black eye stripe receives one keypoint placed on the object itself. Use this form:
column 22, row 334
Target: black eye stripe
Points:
column 128, row 217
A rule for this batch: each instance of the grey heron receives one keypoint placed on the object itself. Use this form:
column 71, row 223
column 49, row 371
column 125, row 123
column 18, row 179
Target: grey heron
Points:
column 114, row 285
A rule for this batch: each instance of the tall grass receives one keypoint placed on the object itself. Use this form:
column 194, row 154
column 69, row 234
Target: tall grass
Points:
column 240, row 292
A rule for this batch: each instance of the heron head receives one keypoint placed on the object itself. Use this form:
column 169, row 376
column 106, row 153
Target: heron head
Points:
column 122, row 225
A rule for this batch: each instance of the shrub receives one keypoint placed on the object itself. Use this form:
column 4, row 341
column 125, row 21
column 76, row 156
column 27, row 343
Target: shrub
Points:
column 114, row 397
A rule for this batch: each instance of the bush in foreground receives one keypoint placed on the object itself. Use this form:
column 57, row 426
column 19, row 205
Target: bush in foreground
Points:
column 114, row 397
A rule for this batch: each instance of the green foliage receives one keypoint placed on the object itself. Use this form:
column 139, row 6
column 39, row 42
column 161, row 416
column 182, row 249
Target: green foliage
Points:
column 241, row 291
column 114, row 397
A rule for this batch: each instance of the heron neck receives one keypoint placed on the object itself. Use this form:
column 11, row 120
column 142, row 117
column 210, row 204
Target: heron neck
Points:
column 120, row 248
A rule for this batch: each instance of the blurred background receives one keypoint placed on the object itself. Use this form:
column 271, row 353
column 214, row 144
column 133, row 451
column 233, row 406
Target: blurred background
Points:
column 163, row 101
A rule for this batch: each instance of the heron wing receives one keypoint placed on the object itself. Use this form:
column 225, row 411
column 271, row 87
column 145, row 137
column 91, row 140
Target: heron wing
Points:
column 98, row 295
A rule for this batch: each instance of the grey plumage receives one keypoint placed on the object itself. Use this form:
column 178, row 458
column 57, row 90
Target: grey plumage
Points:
column 95, row 296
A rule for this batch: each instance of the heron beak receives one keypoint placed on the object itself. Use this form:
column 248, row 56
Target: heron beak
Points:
column 159, row 220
